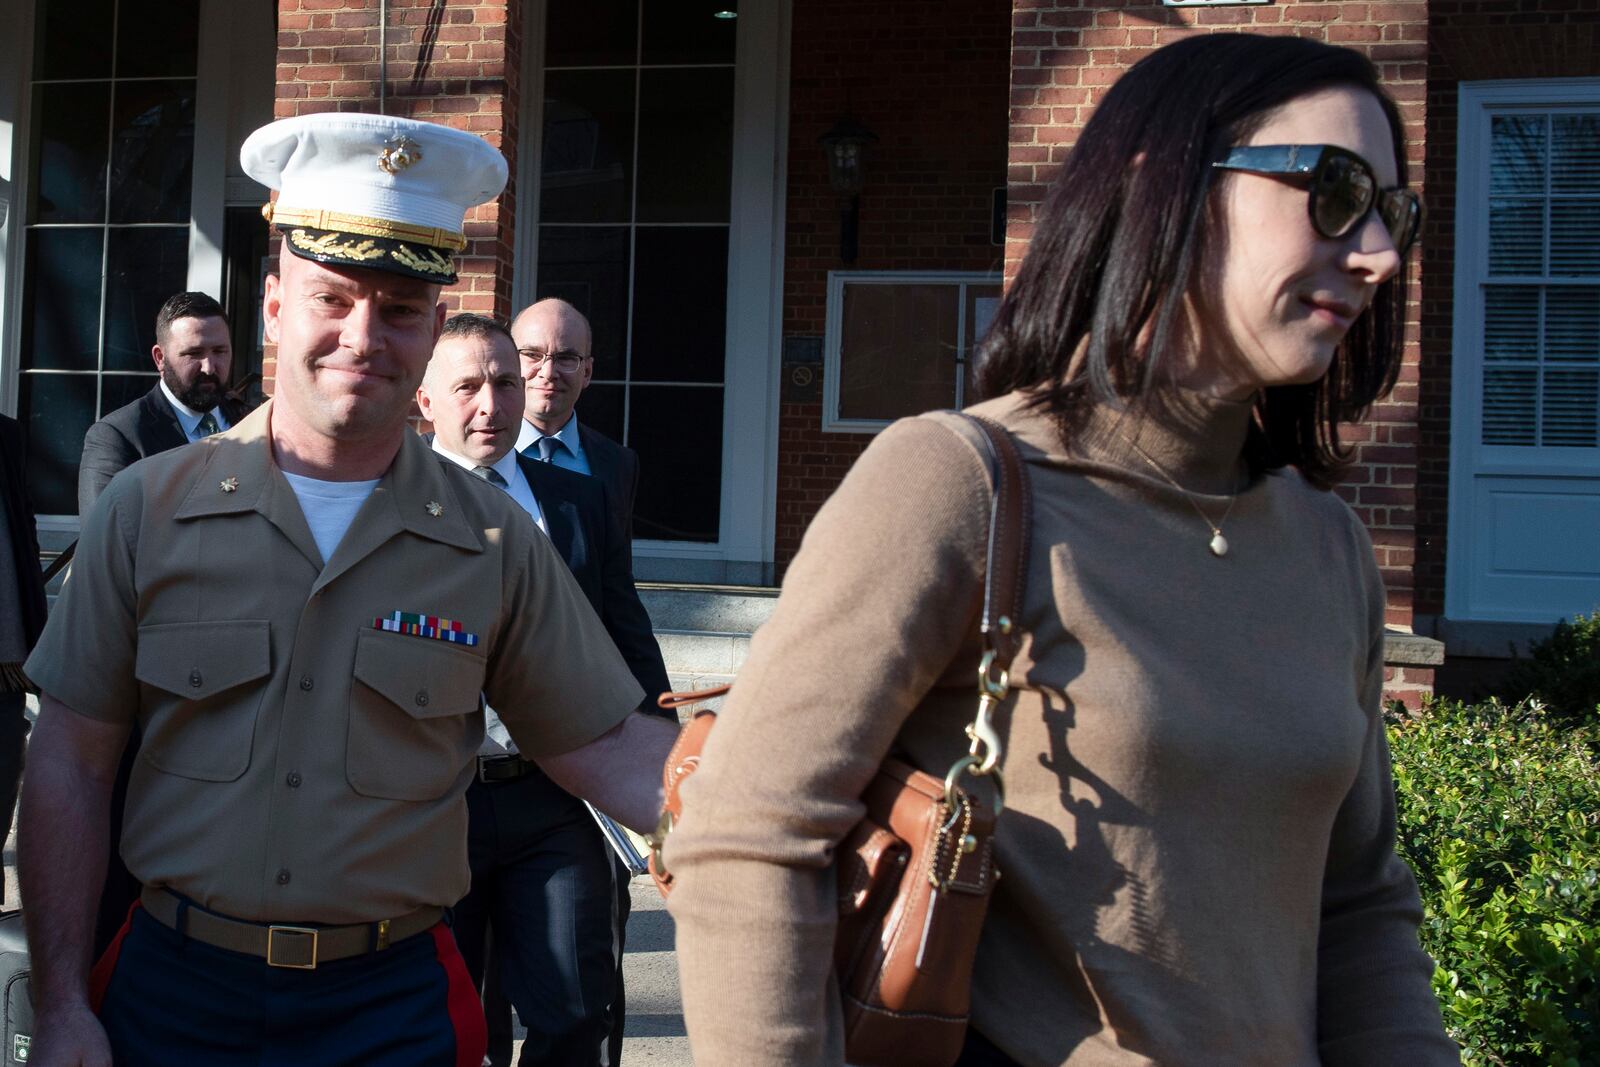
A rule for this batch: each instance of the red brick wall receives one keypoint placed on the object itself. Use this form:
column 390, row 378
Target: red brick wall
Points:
column 930, row 80
column 1066, row 52
column 454, row 62
column 1472, row 40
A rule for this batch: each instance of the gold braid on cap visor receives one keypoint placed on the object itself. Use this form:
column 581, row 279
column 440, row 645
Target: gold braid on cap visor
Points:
column 366, row 225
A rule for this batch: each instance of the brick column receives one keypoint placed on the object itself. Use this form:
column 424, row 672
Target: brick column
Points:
column 1065, row 53
column 454, row 62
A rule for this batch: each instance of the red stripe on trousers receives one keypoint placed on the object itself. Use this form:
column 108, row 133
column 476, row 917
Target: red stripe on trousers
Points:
column 100, row 977
column 466, row 1010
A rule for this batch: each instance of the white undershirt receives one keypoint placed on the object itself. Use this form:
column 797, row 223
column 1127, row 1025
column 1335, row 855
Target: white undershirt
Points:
column 329, row 507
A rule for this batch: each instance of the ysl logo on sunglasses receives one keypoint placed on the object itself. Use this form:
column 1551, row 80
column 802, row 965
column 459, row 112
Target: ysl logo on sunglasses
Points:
column 1341, row 185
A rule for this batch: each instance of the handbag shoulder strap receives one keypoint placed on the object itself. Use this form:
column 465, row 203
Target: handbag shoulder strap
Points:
column 1010, row 524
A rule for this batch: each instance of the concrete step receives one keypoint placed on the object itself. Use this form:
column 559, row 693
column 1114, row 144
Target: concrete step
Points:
column 704, row 630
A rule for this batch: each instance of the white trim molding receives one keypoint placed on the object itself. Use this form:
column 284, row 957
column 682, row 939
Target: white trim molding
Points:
column 833, row 337
column 1519, row 548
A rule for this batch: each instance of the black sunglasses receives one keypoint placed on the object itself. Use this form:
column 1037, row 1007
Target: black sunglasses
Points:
column 1341, row 185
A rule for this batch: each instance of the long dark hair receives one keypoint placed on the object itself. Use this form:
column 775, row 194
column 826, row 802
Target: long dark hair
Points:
column 1100, row 295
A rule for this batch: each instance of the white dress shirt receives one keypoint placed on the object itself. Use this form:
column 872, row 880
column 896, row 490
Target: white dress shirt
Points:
column 189, row 418
column 496, row 738
column 516, row 482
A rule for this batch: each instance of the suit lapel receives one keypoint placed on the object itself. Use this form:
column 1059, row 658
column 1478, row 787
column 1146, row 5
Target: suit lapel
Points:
column 554, row 504
column 564, row 519
column 166, row 431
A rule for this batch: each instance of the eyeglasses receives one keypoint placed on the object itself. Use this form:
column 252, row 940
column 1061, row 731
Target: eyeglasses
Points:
column 1341, row 186
column 566, row 360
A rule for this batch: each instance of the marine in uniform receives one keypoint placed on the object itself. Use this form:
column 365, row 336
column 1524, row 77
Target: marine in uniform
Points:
column 310, row 724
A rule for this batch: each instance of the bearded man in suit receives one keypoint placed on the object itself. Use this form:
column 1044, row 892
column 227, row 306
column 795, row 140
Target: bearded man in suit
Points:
column 193, row 353
column 541, row 872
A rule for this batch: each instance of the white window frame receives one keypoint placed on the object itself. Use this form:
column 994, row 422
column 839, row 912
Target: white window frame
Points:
column 213, row 97
column 834, row 333
column 1469, row 459
column 744, row 550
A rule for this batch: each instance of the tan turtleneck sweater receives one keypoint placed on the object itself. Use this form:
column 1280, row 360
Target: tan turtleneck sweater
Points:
column 1197, row 845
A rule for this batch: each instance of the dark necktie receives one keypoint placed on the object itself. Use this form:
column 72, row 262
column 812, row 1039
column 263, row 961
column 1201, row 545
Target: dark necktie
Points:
column 490, row 475
column 548, row 446
column 208, row 425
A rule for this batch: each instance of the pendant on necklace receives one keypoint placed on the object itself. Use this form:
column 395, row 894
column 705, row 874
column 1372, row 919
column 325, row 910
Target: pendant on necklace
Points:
column 1219, row 544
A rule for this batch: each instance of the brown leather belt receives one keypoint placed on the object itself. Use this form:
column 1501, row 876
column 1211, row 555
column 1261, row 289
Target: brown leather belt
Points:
column 282, row 945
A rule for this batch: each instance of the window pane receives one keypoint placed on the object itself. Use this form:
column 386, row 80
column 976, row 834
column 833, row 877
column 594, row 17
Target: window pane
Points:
column 688, row 31
column 157, row 37
column 71, row 175
column 1516, row 155
column 677, row 431
column 1511, row 322
column 600, row 408
column 983, row 302
column 152, row 158
column 1509, row 400
column 591, row 33
column 685, row 145
column 1575, row 237
column 587, row 146
column 897, row 350
column 1516, row 236
column 588, row 268
column 144, row 267
column 56, row 410
column 1572, row 324
column 117, row 390
column 63, row 299
column 1571, row 408
column 680, row 304
column 1575, row 166
column 74, row 39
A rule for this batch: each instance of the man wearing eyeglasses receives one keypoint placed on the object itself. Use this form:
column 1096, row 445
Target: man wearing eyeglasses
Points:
column 553, row 341
column 554, row 345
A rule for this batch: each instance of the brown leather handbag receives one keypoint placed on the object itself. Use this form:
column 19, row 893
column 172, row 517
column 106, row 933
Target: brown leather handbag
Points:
column 916, row 873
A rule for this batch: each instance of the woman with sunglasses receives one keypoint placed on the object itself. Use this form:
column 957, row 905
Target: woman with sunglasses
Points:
column 1197, row 847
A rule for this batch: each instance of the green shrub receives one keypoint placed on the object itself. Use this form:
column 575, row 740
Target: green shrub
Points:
column 1499, row 816
column 1562, row 671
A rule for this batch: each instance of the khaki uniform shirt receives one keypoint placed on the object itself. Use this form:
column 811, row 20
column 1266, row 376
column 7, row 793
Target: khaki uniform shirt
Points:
column 301, row 761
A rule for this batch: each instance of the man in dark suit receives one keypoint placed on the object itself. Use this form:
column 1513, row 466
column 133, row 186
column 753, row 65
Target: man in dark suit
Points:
column 555, row 345
column 553, row 341
column 542, row 874
column 22, row 612
column 193, row 354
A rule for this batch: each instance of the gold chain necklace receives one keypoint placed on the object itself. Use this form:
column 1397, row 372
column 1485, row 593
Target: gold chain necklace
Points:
column 1219, row 543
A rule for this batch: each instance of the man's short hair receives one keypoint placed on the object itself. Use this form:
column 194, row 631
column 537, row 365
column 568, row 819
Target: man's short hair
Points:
column 185, row 306
column 483, row 327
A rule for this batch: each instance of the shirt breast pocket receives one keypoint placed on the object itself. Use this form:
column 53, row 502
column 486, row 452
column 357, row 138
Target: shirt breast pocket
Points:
column 195, row 680
column 415, row 724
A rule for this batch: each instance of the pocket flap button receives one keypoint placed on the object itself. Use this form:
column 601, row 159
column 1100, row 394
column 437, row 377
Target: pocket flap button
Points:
column 195, row 679
column 422, row 698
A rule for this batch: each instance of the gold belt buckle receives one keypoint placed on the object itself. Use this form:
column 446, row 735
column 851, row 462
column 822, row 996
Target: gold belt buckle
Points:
column 273, row 949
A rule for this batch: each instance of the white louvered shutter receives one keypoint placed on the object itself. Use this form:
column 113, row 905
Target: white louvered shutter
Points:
column 1541, row 292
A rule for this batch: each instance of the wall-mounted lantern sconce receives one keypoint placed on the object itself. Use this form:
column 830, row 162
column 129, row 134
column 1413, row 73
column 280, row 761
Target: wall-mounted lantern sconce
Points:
column 846, row 144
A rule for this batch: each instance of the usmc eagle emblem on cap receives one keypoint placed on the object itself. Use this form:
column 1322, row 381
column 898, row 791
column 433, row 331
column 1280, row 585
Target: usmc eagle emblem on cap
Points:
column 399, row 152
